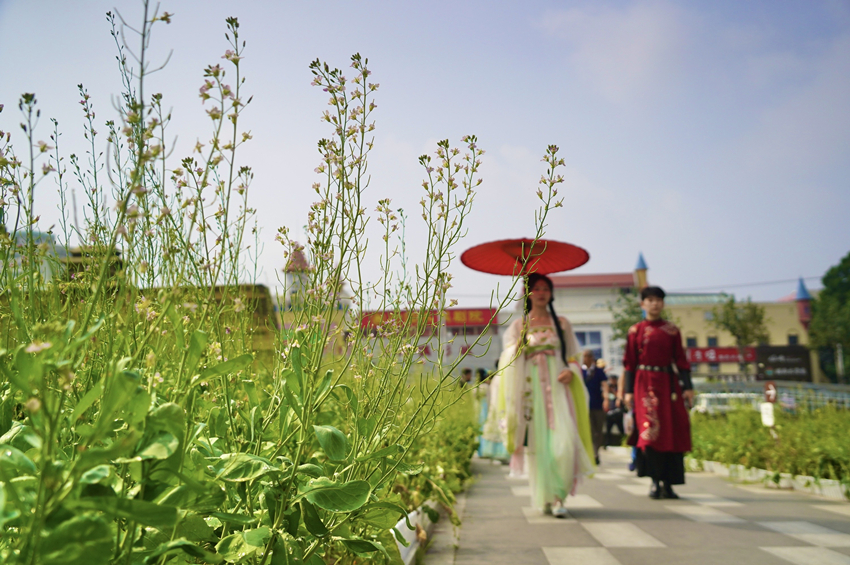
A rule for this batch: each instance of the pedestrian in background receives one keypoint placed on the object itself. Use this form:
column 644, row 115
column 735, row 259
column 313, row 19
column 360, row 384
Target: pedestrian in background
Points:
column 596, row 382
column 465, row 376
column 614, row 418
column 653, row 348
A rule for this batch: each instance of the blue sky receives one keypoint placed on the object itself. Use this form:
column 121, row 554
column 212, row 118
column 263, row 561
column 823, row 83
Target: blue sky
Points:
column 714, row 136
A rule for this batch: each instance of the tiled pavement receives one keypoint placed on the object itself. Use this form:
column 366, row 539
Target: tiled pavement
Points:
column 612, row 521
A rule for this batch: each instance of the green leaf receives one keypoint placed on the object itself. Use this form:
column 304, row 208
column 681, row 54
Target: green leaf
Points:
column 388, row 541
column 350, row 395
column 229, row 366
column 233, row 548
column 312, row 520
column 185, row 546
column 337, row 497
column 395, row 508
column 143, row 512
column 257, row 537
column 122, row 445
column 405, row 468
column 86, row 337
column 293, row 385
column 4, row 515
column 96, row 475
column 311, row 470
column 193, row 527
column 197, row 344
column 332, row 441
column 85, row 539
column 160, row 446
column 325, row 385
column 287, row 551
column 239, row 519
column 13, row 463
column 87, row 400
column 382, row 518
column 400, row 538
column 365, row 426
column 177, row 322
column 138, row 407
column 363, row 547
column 21, row 436
column 201, row 497
column 241, row 467
column 391, row 450
column 30, row 371
column 293, row 518
column 433, row 515
column 295, row 359
column 168, row 417
column 293, row 400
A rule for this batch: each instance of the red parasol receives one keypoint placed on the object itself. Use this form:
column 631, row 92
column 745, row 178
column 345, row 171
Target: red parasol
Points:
column 506, row 256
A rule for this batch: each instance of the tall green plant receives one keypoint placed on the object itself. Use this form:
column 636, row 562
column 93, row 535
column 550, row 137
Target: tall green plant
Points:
column 137, row 424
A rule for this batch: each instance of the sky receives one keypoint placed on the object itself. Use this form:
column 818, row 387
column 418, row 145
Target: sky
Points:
column 713, row 137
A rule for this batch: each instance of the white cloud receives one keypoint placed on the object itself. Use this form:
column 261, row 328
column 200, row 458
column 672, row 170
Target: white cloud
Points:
column 625, row 52
column 807, row 130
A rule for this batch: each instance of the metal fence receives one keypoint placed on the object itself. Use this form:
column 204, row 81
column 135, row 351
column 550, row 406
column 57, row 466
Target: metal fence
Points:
column 791, row 395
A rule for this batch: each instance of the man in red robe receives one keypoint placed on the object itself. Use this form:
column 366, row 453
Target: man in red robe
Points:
column 659, row 394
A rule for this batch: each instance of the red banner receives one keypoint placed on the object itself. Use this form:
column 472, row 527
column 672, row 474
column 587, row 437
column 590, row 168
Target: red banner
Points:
column 719, row 354
column 454, row 317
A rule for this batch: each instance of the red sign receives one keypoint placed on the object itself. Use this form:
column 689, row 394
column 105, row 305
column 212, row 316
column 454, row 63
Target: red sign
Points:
column 453, row 318
column 719, row 355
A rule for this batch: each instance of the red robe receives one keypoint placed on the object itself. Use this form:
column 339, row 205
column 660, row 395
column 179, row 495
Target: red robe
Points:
column 662, row 420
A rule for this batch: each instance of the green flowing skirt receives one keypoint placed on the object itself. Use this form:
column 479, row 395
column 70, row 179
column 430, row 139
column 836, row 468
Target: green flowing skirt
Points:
column 558, row 454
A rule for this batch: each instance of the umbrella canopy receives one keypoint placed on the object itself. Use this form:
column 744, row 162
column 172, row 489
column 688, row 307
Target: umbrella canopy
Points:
column 506, row 257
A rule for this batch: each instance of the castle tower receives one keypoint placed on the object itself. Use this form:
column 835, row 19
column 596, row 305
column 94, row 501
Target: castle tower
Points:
column 804, row 304
column 640, row 273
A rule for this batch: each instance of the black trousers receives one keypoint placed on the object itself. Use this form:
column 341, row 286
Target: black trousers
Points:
column 614, row 419
column 662, row 466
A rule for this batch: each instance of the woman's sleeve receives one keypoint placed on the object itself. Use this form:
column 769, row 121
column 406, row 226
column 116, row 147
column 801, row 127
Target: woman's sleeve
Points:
column 512, row 369
column 512, row 335
column 682, row 363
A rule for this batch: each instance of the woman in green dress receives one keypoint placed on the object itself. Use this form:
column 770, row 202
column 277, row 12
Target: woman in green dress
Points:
column 543, row 400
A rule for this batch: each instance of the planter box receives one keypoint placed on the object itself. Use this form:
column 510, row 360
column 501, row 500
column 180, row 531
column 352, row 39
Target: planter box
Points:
column 421, row 523
column 827, row 488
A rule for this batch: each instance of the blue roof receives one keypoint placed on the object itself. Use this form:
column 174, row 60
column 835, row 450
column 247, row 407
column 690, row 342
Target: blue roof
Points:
column 641, row 263
column 802, row 292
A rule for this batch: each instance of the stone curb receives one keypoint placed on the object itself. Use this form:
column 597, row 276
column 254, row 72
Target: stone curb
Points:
column 827, row 488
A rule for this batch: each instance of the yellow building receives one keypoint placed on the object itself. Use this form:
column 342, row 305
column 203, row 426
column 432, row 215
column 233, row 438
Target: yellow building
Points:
column 786, row 322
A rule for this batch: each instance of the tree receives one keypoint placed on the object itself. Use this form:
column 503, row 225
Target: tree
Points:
column 830, row 325
column 627, row 312
column 745, row 321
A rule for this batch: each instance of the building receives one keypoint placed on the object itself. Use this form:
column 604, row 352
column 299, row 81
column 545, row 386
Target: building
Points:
column 585, row 300
column 460, row 331
column 713, row 352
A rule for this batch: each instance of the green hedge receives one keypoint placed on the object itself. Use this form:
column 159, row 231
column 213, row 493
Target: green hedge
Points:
column 806, row 443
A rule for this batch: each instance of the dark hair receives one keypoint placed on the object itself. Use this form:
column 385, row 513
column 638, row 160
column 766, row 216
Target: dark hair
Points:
column 655, row 291
column 530, row 281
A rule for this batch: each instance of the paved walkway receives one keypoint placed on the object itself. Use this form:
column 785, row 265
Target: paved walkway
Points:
column 613, row 522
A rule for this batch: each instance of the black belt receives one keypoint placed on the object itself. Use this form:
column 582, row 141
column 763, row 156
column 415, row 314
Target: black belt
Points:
column 667, row 369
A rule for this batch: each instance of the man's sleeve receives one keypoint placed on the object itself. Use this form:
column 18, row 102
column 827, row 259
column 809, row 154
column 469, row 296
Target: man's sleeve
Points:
column 630, row 361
